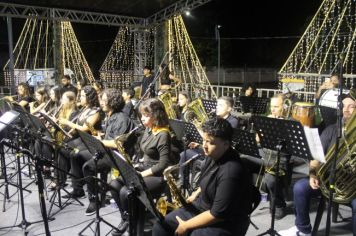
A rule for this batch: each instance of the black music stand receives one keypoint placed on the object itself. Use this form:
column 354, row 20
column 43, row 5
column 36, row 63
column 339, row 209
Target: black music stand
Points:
column 245, row 142
column 285, row 136
column 138, row 190
column 209, row 105
column 254, row 105
column 60, row 186
column 38, row 164
column 188, row 133
column 99, row 151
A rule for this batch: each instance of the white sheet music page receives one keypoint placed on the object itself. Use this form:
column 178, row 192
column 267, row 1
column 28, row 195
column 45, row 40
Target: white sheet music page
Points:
column 314, row 143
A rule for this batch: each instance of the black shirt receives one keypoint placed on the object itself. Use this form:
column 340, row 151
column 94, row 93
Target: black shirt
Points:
column 156, row 150
column 128, row 109
column 146, row 81
column 328, row 137
column 69, row 87
column 225, row 190
column 118, row 123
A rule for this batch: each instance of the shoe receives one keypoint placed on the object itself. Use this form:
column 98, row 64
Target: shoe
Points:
column 75, row 194
column 293, row 232
column 91, row 209
column 121, row 228
column 280, row 213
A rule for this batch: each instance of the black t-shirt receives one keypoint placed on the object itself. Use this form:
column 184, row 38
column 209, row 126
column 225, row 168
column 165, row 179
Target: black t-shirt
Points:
column 69, row 87
column 128, row 109
column 146, row 81
column 117, row 124
column 225, row 190
column 27, row 99
column 328, row 137
column 234, row 122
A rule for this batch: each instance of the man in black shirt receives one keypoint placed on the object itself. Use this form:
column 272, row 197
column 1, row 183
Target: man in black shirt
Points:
column 221, row 204
column 67, row 85
column 146, row 81
column 127, row 95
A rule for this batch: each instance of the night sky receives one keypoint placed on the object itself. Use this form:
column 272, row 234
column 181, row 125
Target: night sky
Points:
column 253, row 33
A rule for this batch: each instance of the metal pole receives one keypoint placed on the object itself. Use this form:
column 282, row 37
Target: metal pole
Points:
column 11, row 54
column 218, row 37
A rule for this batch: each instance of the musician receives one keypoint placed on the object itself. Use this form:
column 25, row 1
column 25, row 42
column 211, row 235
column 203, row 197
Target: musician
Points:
column 98, row 86
column 41, row 96
column 23, row 96
column 80, row 84
column 249, row 90
column 183, row 102
column 55, row 97
column 67, row 85
column 221, row 204
column 166, row 78
column 87, row 119
column 127, row 95
column 308, row 188
column 146, row 82
column 157, row 153
column 116, row 123
column 329, row 83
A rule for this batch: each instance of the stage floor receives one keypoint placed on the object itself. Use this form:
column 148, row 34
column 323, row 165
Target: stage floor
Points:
column 71, row 220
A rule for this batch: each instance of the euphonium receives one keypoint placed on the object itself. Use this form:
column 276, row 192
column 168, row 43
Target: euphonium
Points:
column 178, row 200
column 287, row 108
column 196, row 113
column 345, row 175
column 119, row 141
column 166, row 99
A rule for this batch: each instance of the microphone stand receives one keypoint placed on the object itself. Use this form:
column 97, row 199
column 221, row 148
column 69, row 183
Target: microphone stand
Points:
column 334, row 156
column 152, row 84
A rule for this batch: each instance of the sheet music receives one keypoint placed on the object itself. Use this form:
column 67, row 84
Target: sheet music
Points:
column 7, row 118
column 314, row 143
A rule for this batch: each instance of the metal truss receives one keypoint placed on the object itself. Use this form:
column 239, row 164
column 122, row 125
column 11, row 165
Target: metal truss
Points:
column 175, row 9
column 46, row 13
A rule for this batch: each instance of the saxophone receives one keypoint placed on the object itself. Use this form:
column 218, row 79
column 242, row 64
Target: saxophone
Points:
column 119, row 141
column 91, row 128
column 345, row 175
column 178, row 200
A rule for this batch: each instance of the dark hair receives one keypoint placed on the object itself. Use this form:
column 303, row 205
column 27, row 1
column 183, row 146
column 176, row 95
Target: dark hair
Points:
column 155, row 108
column 57, row 93
column 219, row 128
column 91, row 96
column 248, row 85
column 147, row 68
column 228, row 100
column 115, row 100
column 185, row 94
column 43, row 92
column 26, row 88
column 66, row 77
column 129, row 92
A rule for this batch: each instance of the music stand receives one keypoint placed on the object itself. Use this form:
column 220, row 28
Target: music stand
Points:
column 209, row 105
column 281, row 135
column 138, row 190
column 245, row 142
column 99, row 151
column 254, row 105
column 20, row 150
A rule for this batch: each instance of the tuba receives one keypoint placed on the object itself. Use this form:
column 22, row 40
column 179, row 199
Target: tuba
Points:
column 196, row 113
column 166, row 99
column 178, row 200
column 345, row 175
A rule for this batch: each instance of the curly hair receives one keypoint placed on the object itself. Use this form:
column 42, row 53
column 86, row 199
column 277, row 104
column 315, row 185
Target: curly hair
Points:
column 219, row 128
column 115, row 100
column 26, row 88
column 155, row 109
column 91, row 96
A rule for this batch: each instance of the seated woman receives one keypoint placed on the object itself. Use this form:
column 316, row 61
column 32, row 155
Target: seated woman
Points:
column 249, row 90
column 183, row 101
column 221, row 205
column 23, row 97
column 41, row 96
column 156, row 147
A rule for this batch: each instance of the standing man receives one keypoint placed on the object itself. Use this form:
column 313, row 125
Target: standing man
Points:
column 146, row 81
column 67, row 85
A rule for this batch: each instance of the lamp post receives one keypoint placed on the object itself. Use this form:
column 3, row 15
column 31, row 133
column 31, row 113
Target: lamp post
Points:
column 217, row 37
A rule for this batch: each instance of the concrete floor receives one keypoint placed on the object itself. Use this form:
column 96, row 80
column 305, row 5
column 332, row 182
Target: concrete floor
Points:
column 71, row 220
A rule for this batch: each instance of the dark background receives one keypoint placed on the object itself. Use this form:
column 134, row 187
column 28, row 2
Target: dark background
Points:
column 253, row 33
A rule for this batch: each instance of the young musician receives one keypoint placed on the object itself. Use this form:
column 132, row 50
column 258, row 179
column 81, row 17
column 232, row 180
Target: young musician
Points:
column 127, row 95
column 67, row 85
column 166, row 78
column 55, row 100
column 116, row 123
column 42, row 98
column 183, row 102
column 23, row 97
column 221, row 204
column 146, row 82
column 308, row 188
column 156, row 147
